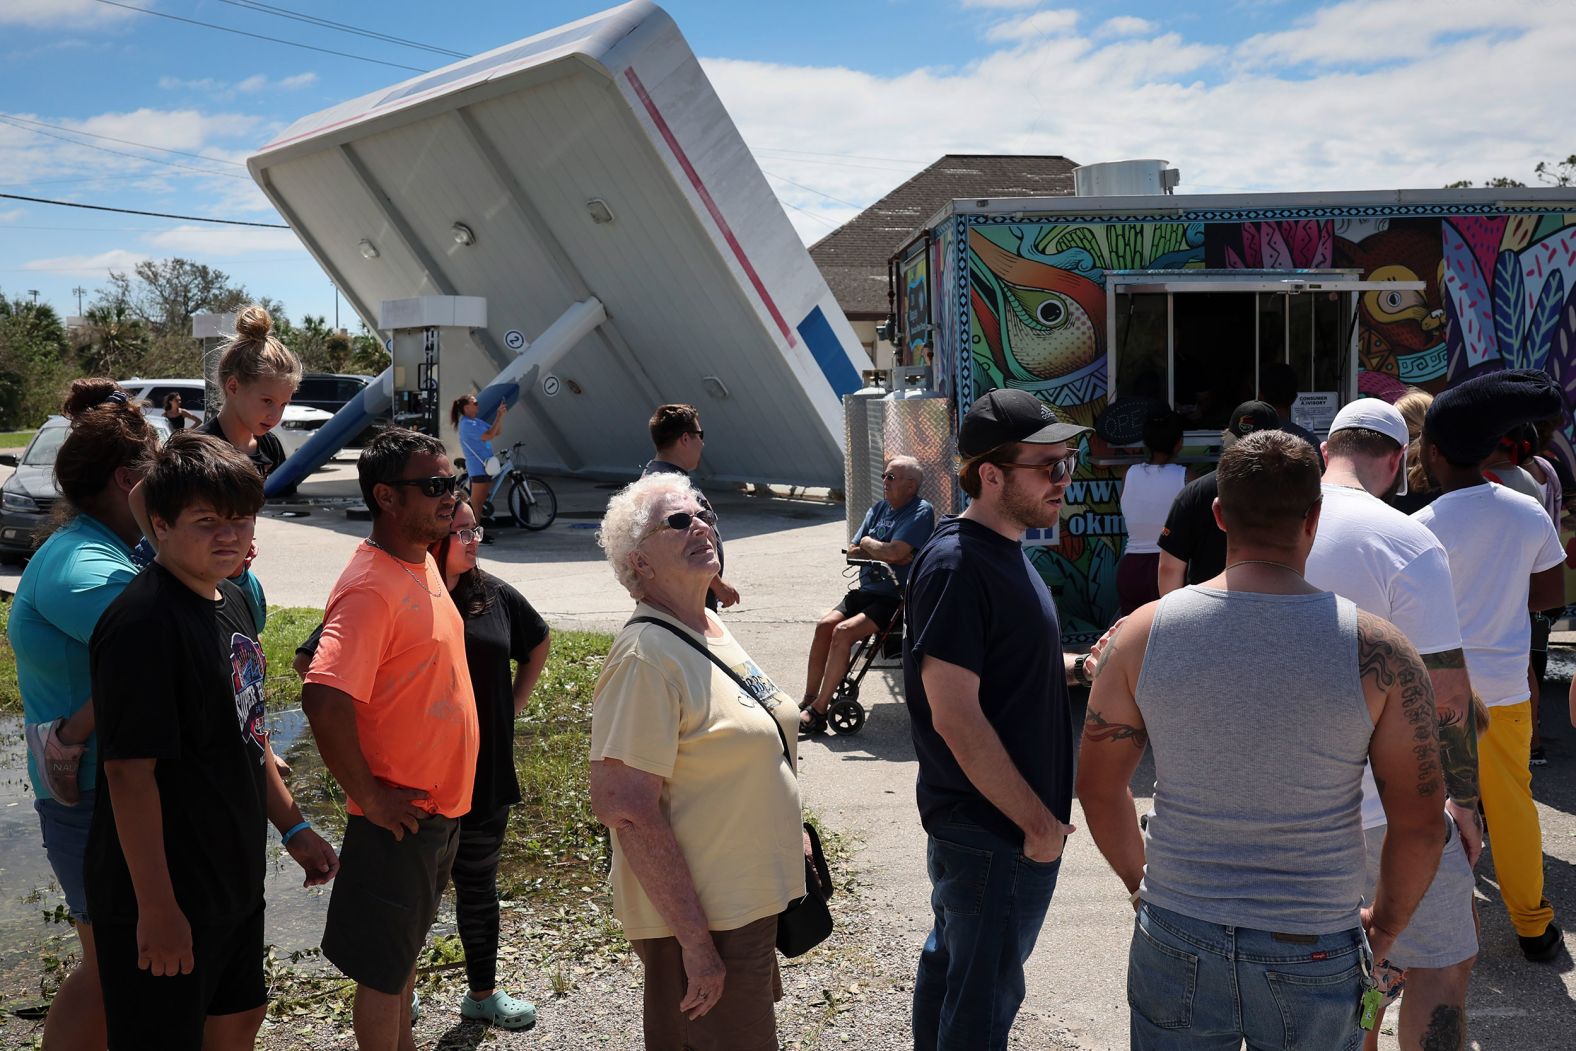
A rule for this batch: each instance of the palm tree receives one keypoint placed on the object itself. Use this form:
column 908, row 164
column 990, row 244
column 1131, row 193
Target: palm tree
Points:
column 112, row 341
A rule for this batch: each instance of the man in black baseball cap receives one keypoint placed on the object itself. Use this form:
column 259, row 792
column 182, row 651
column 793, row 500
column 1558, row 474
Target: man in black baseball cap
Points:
column 989, row 712
column 1001, row 417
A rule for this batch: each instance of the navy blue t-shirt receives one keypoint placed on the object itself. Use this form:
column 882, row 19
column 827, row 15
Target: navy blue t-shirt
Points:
column 975, row 601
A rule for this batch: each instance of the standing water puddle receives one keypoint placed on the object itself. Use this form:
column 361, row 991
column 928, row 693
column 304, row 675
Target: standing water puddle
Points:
column 29, row 895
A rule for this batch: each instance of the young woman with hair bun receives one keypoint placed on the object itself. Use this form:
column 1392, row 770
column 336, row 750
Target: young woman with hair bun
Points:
column 257, row 376
column 82, row 565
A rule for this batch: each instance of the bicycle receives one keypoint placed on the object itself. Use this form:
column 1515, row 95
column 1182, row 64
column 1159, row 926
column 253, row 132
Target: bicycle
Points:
column 530, row 499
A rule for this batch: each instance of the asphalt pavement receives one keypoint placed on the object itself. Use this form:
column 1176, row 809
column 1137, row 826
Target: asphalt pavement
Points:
column 783, row 556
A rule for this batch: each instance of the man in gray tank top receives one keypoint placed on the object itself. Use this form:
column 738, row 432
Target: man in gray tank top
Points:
column 1262, row 697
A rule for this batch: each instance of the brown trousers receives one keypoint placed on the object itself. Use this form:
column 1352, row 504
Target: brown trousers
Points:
column 743, row 1020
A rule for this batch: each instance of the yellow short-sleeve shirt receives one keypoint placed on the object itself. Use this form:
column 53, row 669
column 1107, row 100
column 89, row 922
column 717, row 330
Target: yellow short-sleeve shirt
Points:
column 731, row 797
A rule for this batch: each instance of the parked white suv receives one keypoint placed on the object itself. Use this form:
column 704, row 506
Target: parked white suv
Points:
column 295, row 426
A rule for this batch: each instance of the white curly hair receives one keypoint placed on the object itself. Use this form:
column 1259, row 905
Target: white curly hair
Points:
column 628, row 519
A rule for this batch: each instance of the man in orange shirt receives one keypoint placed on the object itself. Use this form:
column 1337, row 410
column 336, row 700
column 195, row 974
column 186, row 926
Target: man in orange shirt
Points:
column 389, row 699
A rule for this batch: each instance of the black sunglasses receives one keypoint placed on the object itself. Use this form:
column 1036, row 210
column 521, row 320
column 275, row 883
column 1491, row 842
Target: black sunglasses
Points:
column 682, row 520
column 1057, row 470
column 437, row 485
column 701, row 433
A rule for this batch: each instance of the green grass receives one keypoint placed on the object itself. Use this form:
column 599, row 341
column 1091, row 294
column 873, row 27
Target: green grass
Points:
column 10, row 695
column 287, row 628
column 15, row 439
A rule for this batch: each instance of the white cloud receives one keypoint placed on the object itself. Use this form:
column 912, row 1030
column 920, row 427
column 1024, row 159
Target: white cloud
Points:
column 185, row 129
column 1474, row 104
column 223, row 240
column 169, row 83
column 1002, row 5
column 75, row 14
column 220, row 90
column 13, row 215
column 1360, row 31
column 1029, row 27
column 89, row 265
column 1125, row 25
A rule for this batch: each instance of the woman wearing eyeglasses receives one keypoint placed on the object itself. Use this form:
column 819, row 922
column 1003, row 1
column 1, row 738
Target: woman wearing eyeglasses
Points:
column 500, row 626
column 692, row 769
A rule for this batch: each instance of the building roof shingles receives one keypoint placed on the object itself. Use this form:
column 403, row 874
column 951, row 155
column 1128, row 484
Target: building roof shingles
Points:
column 853, row 258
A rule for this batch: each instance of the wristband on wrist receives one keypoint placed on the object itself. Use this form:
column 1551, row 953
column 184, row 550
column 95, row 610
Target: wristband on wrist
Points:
column 1079, row 675
column 289, row 833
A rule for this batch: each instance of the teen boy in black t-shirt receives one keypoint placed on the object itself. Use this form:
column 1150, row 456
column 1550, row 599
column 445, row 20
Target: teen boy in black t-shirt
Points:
column 175, row 856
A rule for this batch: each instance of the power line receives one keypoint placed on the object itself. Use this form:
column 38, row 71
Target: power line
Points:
column 5, row 119
column 133, row 211
column 125, row 142
column 856, row 156
column 846, row 164
column 812, row 189
column 260, row 36
column 371, row 34
column 806, row 211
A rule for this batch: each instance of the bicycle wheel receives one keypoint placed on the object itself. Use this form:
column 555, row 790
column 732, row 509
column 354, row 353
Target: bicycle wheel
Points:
column 532, row 502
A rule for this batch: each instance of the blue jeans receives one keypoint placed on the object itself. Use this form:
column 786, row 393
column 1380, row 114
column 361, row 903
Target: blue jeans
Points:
column 989, row 902
column 1199, row 985
column 65, row 830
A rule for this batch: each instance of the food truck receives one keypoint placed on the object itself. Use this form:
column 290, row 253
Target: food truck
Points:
column 1127, row 292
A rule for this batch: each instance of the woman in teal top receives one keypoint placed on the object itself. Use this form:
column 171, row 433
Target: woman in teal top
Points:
column 77, row 572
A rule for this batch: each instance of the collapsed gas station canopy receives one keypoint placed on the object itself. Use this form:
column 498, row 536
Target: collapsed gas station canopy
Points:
column 592, row 164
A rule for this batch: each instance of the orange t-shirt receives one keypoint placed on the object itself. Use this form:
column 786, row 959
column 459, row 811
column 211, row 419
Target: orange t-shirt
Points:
column 399, row 651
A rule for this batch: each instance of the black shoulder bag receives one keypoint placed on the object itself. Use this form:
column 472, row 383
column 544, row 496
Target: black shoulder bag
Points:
column 806, row 922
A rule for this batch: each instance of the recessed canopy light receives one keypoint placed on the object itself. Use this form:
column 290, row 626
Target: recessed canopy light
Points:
column 368, row 249
column 463, row 235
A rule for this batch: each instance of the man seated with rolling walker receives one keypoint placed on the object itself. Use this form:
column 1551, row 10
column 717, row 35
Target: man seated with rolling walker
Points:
column 884, row 544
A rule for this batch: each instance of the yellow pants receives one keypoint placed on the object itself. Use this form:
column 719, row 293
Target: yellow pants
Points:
column 1512, row 818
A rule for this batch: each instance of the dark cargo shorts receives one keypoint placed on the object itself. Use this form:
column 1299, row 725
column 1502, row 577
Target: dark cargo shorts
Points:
column 385, row 898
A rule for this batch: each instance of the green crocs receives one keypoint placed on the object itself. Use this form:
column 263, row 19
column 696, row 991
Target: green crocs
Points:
column 501, row 1010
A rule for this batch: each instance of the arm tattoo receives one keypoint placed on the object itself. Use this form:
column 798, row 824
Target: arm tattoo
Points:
column 1458, row 754
column 1385, row 657
column 1445, row 659
column 1458, row 742
column 1099, row 731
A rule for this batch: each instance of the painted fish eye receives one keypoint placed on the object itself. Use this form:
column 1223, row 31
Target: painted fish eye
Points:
column 1051, row 313
column 1391, row 300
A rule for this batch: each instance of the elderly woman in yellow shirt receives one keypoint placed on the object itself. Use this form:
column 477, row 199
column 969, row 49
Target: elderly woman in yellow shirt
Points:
column 693, row 773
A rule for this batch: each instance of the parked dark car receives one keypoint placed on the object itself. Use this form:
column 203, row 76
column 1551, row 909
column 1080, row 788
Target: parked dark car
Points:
column 28, row 496
column 330, row 391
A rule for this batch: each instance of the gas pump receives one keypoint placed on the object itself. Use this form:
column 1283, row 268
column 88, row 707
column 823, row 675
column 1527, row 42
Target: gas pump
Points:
column 433, row 358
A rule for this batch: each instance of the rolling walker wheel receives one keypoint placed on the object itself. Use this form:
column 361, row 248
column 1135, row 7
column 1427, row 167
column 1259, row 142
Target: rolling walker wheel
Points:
column 846, row 716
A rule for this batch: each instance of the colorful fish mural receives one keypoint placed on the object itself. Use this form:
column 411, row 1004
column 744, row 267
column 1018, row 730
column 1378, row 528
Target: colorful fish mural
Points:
column 1036, row 317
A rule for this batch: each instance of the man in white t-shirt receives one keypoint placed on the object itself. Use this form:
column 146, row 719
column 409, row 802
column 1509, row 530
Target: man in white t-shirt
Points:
column 1505, row 559
column 1392, row 567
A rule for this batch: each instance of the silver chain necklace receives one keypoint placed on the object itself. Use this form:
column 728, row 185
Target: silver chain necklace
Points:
column 401, row 563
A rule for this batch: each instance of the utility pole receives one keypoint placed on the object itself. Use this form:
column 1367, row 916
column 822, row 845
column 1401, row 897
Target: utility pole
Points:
column 336, row 307
column 80, row 292
column 34, row 293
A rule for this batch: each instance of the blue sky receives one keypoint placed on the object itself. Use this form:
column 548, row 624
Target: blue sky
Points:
column 840, row 101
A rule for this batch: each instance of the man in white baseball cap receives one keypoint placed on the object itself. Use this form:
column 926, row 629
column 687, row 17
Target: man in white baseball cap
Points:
column 1392, row 566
